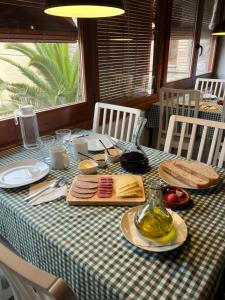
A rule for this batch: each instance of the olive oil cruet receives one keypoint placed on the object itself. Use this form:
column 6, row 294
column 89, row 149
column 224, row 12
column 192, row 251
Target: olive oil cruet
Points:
column 153, row 221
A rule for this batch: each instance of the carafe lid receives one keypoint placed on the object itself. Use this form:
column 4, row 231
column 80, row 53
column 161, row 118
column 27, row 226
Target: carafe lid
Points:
column 26, row 110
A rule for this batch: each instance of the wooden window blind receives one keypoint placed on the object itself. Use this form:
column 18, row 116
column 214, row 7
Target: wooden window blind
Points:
column 124, row 47
column 25, row 20
column 210, row 19
column 181, row 44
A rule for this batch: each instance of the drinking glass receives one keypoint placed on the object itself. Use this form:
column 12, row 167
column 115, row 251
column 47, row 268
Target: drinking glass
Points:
column 207, row 95
column 46, row 142
column 63, row 136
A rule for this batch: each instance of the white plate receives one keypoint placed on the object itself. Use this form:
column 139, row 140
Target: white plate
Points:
column 209, row 96
column 22, row 172
column 131, row 233
column 94, row 145
column 174, row 182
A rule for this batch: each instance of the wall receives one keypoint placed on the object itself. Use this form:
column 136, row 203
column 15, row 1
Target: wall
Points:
column 220, row 59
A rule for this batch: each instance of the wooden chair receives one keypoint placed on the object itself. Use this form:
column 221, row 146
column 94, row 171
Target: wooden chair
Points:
column 30, row 283
column 195, row 122
column 176, row 102
column 215, row 86
column 121, row 120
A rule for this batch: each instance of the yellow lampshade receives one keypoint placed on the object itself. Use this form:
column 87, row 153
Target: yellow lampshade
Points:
column 84, row 8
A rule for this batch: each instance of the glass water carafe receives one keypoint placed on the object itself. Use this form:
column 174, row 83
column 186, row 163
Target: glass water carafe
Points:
column 134, row 159
column 153, row 221
column 28, row 125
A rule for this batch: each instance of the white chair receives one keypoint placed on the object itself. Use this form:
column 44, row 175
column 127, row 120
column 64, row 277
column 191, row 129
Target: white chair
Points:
column 215, row 86
column 30, row 283
column 195, row 122
column 176, row 102
column 116, row 121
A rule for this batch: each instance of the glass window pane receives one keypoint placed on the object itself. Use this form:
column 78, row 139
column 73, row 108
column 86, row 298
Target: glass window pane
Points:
column 43, row 74
column 206, row 40
column 181, row 39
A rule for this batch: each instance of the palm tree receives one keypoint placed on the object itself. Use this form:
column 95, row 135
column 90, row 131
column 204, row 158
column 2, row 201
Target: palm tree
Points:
column 52, row 71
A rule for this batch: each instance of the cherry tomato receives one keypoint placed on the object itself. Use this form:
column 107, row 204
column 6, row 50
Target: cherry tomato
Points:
column 173, row 198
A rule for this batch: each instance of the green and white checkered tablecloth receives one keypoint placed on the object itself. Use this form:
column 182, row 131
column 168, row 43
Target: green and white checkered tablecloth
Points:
column 84, row 245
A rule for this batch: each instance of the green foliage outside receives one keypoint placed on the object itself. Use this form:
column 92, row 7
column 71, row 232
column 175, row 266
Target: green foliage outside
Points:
column 53, row 73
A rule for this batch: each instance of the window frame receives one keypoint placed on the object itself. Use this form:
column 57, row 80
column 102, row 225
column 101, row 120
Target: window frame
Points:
column 190, row 81
column 70, row 115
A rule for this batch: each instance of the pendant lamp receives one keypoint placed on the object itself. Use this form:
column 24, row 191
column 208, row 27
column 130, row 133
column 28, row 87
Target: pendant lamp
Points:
column 219, row 29
column 84, row 8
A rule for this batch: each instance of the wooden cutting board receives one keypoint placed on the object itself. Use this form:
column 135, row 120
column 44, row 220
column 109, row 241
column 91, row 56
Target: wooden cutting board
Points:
column 95, row 200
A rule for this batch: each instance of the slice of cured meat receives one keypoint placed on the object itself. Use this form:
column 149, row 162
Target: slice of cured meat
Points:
column 106, row 179
column 82, row 196
column 104, row 195
column 85, row 185
column 105, row 187
column 84, row 191
column 87, row 178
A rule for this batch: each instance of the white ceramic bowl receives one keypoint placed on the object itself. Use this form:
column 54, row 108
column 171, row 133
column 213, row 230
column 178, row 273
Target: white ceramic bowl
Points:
column 101, row 159
column 115, row 154
column 88, row 167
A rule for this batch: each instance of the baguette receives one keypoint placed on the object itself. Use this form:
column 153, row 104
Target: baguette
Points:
column 200, row 170
column 189, row 179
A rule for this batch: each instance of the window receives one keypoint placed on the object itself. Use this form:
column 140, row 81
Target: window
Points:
column 42, row 74
column 35, row 77
column 181, row 43
column 125, row 51
column 191, row 45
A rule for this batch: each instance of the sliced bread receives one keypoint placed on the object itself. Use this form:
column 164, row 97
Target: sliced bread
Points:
column 198, row 169
column 186, row 177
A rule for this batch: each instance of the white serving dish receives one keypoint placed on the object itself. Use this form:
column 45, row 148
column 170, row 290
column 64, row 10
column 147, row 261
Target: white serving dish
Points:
column 101, row 160
column 115, row 154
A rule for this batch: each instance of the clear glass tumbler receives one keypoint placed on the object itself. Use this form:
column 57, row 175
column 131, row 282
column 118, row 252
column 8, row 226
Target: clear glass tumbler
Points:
column 46, row 142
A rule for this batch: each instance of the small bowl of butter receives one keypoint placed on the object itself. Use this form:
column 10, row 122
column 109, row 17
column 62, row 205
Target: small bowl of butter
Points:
column 88, row 167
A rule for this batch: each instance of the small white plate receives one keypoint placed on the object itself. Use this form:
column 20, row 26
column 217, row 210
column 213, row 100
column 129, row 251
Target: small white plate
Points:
column 22, row 172
column 209, row 96
column 131, row 233
column 174, row 182
column 95, row 146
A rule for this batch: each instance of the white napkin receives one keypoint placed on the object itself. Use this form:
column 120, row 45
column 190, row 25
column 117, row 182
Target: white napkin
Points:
column 51, row 194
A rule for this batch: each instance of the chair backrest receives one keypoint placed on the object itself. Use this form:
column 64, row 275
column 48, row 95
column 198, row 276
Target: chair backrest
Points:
column 204, row 125
column 215, row 86
column 176, row 102
column 30, row 283
column 116, row 121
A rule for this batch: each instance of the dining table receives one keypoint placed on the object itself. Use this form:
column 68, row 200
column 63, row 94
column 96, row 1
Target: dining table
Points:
column 208, row 110
column 85, row 246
